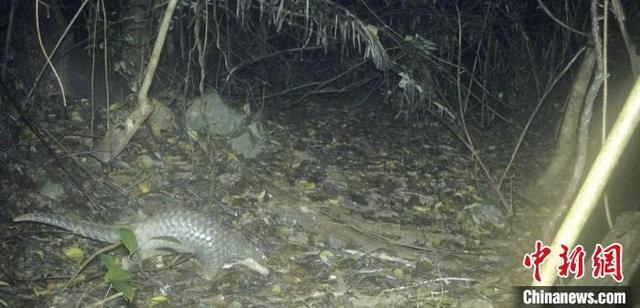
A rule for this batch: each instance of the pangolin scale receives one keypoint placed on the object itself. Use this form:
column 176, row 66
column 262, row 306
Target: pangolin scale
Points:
column 214, row 244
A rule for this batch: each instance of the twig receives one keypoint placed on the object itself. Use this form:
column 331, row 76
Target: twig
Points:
column 605, row 95
column 46, row 55
column 546, row 10
column 53, row 51
column 106, row 62
column 273, row 54
column 201, row 44
column 106, row 300
column 461, row 110
column 327, row 82
column 534, row 113
column 7, row 39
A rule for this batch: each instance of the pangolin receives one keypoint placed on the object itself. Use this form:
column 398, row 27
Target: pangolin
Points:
column 214, row 244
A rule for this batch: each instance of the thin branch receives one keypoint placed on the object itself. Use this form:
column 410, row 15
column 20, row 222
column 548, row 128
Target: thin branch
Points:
column 546, row 10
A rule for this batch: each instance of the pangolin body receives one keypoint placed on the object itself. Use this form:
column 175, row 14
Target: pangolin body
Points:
column 214, row 244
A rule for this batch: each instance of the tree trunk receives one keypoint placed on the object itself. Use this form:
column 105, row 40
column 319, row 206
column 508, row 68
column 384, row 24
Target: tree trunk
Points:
column 552, row 180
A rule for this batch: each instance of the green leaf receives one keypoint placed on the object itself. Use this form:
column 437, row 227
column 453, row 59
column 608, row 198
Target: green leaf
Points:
column 117, row 275
column 74, row 253
column 126, row 289
column 159, row 299
column 108, row 261
column 128, row 239
column 114, row 273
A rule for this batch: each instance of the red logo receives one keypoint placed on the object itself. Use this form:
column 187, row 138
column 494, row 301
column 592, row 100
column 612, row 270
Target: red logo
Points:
column 572, row 262
column 536, row 258
column 606, row 261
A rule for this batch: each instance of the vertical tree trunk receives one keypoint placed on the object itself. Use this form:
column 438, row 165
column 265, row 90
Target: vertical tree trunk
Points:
column 552, row 180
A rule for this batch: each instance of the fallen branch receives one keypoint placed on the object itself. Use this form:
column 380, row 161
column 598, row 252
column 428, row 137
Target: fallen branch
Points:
column 117, row 138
